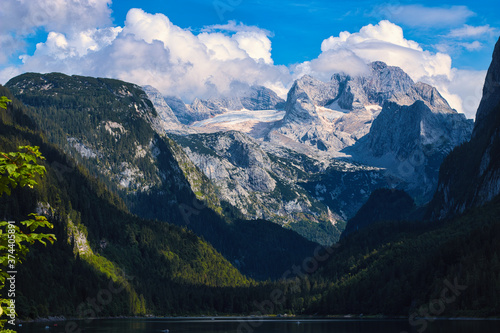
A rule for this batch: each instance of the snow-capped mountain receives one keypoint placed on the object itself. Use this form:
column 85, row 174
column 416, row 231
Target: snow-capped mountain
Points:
column 249, row 98
column 382, row 119
column 308, row 163
column 388, row 131
column 330, row 116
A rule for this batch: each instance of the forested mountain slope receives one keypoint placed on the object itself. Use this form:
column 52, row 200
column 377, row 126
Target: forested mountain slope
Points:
column 156, row 265
column 109, row 127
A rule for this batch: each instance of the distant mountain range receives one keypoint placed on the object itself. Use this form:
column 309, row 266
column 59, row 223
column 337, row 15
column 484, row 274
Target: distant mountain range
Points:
column 112, row 129
column 307, row 163
column 249, row 98
column 361, row 133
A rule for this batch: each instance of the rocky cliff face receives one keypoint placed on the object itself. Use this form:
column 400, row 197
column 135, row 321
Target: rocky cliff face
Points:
column 486, row 113
column 181, row 111
column 260, row 185
column 400, row 129
column 166, row 120
column 397, row 129
column 97, row 121
column 410, row 142
column 470, row 175
column 261, row 98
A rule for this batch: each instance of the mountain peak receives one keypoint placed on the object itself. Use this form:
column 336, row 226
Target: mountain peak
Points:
column 330, row 116
column 378, row 65
column 491, row 94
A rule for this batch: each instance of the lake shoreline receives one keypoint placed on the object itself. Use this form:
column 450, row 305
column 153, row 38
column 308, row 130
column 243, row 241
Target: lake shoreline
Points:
column 58, row 319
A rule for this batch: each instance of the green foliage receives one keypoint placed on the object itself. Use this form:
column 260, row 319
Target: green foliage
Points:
column 163, row 264
column 382, row 205
column 386, row 268
column 19, row 169
column 3, row 102
column 397, row 268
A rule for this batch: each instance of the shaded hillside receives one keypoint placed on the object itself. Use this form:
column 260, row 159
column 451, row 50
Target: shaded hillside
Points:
column 402, row 267
column 394, row 268
column 470, row 175
column 158, row 265
column 383, row 205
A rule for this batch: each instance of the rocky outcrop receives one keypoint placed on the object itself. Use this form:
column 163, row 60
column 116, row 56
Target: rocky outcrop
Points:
column 386, row 83
column 180, row 109
column 470, row 175
column 261, row 98
column 487, row 114
column 166, row 120
column 410, row 142
column 305, row 94
column 401, row 129
column 382, row 119
column 259, row 184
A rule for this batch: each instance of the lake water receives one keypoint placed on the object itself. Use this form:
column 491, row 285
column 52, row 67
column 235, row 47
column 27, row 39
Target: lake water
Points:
column 295, row 325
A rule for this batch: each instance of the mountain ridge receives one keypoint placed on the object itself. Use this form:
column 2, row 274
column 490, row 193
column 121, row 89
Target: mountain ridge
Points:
column 112, row 130
column 341, row 119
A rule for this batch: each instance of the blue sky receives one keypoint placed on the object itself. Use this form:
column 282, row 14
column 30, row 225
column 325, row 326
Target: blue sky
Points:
column 197, row 48
column 299, row 27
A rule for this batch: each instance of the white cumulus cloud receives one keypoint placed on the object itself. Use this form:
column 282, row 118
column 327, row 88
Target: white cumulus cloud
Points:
column 24, row 16
column 385, row 42
column 150, row 49
column 473, row 46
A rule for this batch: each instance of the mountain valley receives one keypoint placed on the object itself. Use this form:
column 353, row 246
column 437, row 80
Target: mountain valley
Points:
column 360, row 195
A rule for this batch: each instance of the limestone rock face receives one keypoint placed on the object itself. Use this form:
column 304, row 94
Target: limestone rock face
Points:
column 330, row 116
column 470, row 175
column 411, row 143
column 382, row 119
column 259, row 184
